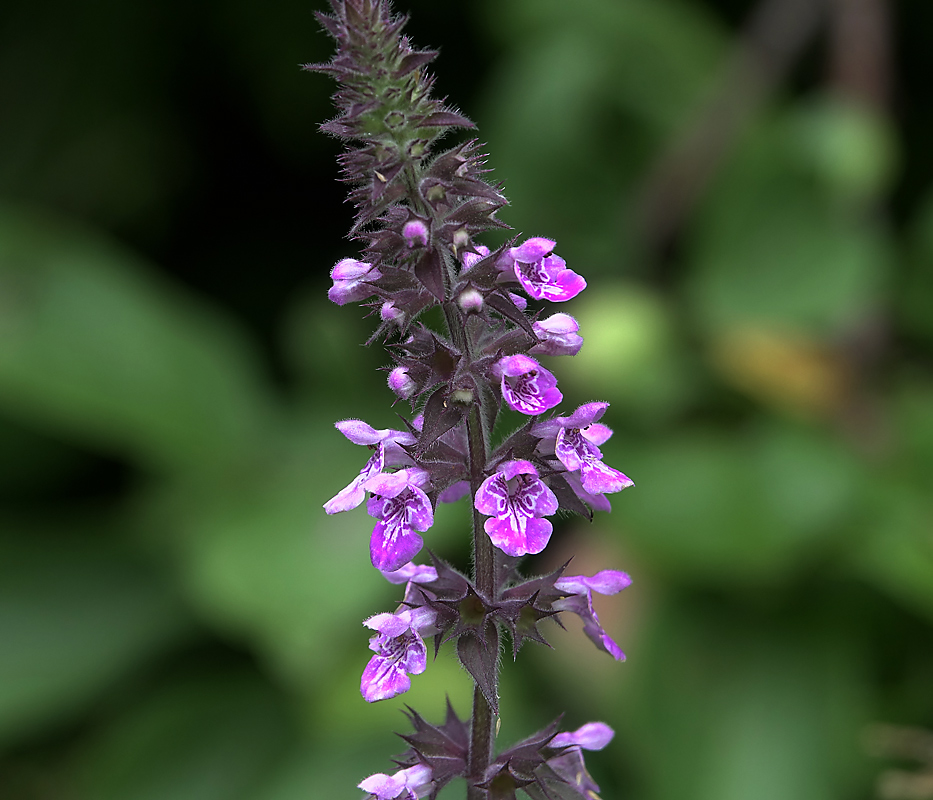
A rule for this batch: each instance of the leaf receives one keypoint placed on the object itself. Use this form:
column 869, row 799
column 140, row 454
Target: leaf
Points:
column 93, row 345
column 201, row 737
column 480, row 659
column 77, row 614
column 439, row 417
column 428, row 272
column 770, row 245
column 507, row 308
column 445, row 119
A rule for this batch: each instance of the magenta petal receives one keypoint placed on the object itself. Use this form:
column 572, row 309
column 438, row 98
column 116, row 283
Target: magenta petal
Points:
column 533, row 249
column 598, row 478
column 391, row 547
column 597, row 433
column 567, row 286
column 469, row 259
column 607, row 581
column 420, row 573
column 391, row 625
column 592, row 736
column 347, row 498
column 385, row 787
column 492, row 497
column 454, row 492
column 584, row 416
column 529, row 537
column 359, row 432
column 383, row 679
column 354, row 493
column 518, row 466
column 598, row 502
column 532, row 391
column 348, row 269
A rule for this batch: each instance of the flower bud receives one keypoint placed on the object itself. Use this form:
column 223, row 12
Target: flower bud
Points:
column 415, row 233
column 461, row 239
column 557, row 336
column 350, row 277
column 401, row 383
column 389, row 313
column 470, row 300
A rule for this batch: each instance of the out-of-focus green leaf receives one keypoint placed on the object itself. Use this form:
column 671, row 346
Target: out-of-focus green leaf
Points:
column 76, row 615
column 851, row 149
column 737, row 705
column 741, row 510
column 630, row 353
column 915, row 295
column 264, row 562
column 771, row 246
column 896, row 551
column 601, row 86
column 216, row 737
column 93, row 345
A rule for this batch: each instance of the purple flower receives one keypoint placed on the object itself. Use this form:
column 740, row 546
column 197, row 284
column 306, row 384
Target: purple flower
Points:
column 515, row 499
column 576, row 445
column 581, row 588
column 526, row 385
column 401, row 507
column 543, row 275
column 557, row 336
column 569, row 764
column 409, row 784
column 388, row 452
column 351, row 279
column 415, row 233
column 399, row 650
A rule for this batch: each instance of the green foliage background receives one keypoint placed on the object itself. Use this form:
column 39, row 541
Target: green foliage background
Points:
column 178, row 617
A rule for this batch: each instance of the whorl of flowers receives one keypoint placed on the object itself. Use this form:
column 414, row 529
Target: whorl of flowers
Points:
column 418, row 215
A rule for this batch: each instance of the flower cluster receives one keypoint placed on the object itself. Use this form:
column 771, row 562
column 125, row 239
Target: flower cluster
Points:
column 418, row 216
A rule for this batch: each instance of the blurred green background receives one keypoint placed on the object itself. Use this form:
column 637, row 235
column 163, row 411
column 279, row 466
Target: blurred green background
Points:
column 748, row 189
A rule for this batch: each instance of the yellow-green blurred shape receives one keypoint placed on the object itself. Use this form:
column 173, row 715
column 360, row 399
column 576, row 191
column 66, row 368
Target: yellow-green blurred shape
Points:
column 630, row 352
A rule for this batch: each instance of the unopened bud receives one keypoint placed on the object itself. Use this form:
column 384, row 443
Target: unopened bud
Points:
column 389, row 313
column 415, row 233
column 470, row 300
column 462, row 396
column 461, row 239
column 401, row 383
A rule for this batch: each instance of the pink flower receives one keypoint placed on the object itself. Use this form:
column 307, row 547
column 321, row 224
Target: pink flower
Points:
column 515, row 499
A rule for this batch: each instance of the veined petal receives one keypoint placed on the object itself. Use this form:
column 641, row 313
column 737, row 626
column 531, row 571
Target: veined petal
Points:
column 383, row 679
column 598, row 478
column 354, row 493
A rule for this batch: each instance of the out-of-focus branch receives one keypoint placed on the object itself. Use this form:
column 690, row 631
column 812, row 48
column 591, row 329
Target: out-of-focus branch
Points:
column 773, row 38
column 860, row 51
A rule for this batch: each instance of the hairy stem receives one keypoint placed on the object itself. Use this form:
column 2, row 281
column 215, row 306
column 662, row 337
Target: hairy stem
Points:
column 484, row 563
column 484, row 576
